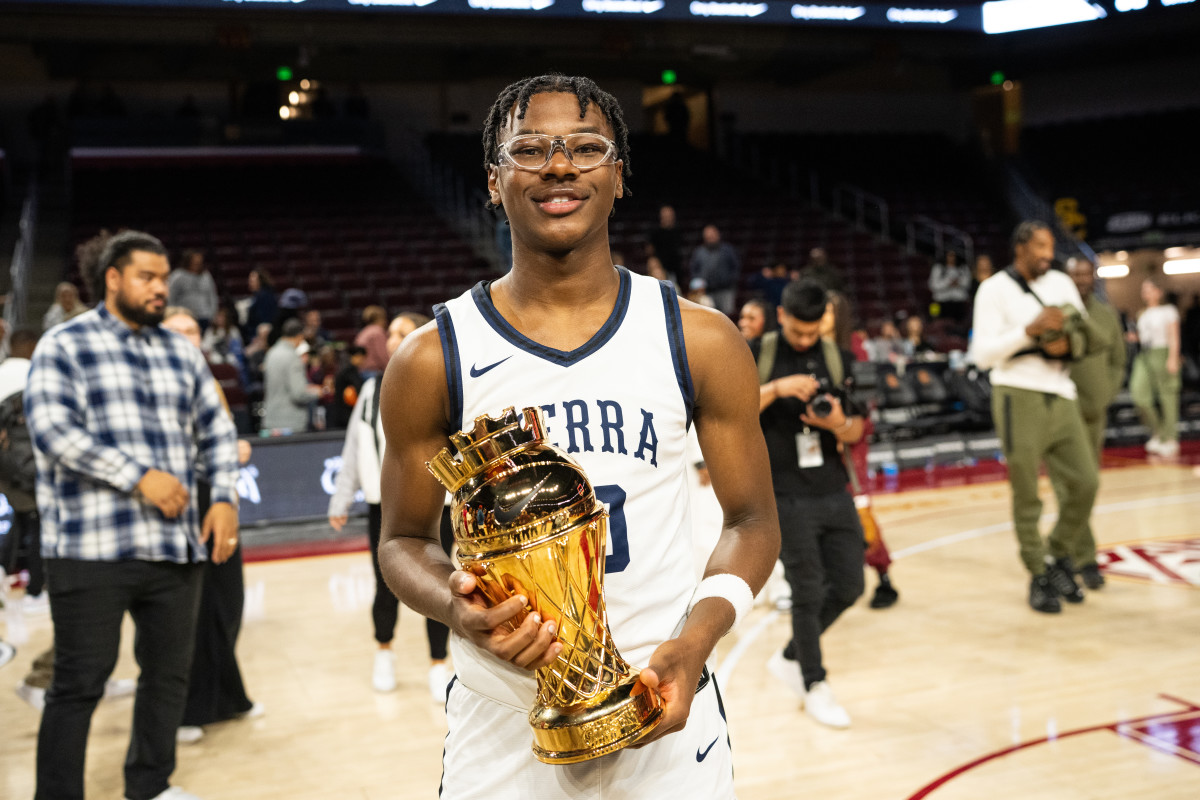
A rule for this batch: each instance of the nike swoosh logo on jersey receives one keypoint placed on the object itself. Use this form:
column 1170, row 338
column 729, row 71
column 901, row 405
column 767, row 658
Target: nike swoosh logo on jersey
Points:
column 506, row 515
column 702, row 754
column 477, row 371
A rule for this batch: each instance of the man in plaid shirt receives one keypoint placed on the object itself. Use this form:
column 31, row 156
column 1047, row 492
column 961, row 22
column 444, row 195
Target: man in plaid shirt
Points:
column 123, row 416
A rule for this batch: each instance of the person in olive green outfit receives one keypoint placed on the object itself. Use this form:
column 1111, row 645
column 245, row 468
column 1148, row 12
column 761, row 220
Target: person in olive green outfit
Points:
column 1030, row 324
column 1155, row 381
column 1098, row 377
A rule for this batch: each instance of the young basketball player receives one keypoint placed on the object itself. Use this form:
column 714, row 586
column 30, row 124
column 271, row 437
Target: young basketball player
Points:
column 621, row 368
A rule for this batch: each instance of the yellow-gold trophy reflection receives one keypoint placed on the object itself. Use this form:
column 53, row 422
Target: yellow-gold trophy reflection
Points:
column 526, row 521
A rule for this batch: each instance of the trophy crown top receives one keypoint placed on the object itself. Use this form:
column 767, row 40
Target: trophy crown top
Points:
column 489, row 439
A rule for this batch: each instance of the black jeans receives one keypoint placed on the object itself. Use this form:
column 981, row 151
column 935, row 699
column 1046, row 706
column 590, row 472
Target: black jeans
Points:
column 822, row 554
column 88, row 600
column 385, row 610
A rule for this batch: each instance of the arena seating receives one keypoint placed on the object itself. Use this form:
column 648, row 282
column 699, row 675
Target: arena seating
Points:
column 349, row 235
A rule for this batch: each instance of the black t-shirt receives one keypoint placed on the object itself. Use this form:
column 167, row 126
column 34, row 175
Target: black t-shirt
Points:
column 781, row 425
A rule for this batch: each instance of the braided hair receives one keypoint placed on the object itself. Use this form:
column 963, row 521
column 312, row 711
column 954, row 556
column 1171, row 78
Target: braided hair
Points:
column 586, row 90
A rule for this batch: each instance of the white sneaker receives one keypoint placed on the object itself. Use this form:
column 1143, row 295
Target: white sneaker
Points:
column 187, row 734
column 1168, row 449
column 788, row 672
column 32, row 695
column 821, row 705
column 383, row 677
column 438, row 678
column 175, row 793
column 256, row 710
column 1154, row 445
column 119, row 687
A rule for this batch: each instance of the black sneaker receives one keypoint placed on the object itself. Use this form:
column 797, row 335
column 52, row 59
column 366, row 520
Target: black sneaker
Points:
column 885, row 594
column 1042, row 595
column 1093, row 578
column 1062, row 575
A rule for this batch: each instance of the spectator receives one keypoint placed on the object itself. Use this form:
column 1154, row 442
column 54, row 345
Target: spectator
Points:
column 261, row 305
column 193, row 288
column 822, row 538
column 755, row 319
column 362, row 463
column 120, row 531
column 716, row 263
column 887, row 347
column 347, row 384
column 821, row 271
column 668, row 244
column 772, row 281
column 18, row 472
column 66, row 305
column 950, row 286
column 698, row 293
column 1021, row 334
column 1098, row 377
column 915, row 344
column 655, row 269
column 215, row 689
column 314, row 332
column 983, row 270
column 292, row 303
column 373, row 339
column 222, row 343
column 287, row 394
column 1155, row 382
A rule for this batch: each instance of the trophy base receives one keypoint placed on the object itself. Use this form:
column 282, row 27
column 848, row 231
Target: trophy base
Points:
column 582, row 732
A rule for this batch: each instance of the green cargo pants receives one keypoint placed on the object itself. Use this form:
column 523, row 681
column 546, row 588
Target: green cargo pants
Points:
column 1035, row 427
column 1155, row 392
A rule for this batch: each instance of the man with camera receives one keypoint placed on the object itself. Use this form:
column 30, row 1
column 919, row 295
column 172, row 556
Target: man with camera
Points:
column 1030, row 324
column 807, row 416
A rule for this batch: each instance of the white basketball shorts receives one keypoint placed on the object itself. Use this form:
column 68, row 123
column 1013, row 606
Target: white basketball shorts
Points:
column 488, row 757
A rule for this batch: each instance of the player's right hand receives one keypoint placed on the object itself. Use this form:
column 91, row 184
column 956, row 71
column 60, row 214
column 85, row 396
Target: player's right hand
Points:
column 338, row 522
column 532, row 645
column 164, row 491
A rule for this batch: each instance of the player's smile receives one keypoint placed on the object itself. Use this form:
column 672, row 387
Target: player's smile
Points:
column 559, row 200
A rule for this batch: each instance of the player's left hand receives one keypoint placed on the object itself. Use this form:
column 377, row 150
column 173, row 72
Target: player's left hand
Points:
column 674, row 672
column 221, row 523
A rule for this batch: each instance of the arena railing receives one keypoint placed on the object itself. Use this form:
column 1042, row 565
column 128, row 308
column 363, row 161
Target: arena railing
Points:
column 870, row 212
column 921, row 229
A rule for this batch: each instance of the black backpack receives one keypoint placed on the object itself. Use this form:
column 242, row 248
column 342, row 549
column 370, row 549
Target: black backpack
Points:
column 18, row 472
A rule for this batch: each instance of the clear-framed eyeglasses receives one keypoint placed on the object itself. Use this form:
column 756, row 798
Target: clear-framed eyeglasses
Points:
column 532, row 152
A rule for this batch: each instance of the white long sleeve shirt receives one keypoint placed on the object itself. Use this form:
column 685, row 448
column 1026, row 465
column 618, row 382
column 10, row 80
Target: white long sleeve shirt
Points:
column 1002, row 311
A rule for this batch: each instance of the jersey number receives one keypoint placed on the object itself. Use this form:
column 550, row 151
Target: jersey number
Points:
column 613, row 496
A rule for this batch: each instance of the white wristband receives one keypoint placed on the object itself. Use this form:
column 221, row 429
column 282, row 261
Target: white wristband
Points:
column 729, row 586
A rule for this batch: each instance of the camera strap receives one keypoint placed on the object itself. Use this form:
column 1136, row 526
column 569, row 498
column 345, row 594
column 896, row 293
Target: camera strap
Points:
column 1011, row 271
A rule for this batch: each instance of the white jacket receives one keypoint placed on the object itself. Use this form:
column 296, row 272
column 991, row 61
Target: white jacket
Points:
column 362, row 460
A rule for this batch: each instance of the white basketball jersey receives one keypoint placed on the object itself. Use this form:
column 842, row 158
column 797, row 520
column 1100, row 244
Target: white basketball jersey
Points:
column 620, row 405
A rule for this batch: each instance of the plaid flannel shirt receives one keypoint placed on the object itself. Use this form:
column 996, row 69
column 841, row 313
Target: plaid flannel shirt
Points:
column 104, row 404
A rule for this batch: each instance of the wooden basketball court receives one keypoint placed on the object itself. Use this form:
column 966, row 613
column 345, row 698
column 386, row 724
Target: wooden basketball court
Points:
column 959, row 691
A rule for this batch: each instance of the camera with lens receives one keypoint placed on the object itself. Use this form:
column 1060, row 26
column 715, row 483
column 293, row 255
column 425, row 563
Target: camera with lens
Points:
column 821, row 405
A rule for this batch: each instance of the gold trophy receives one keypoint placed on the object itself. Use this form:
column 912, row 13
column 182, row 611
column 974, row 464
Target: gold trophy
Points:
column 527, row 522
